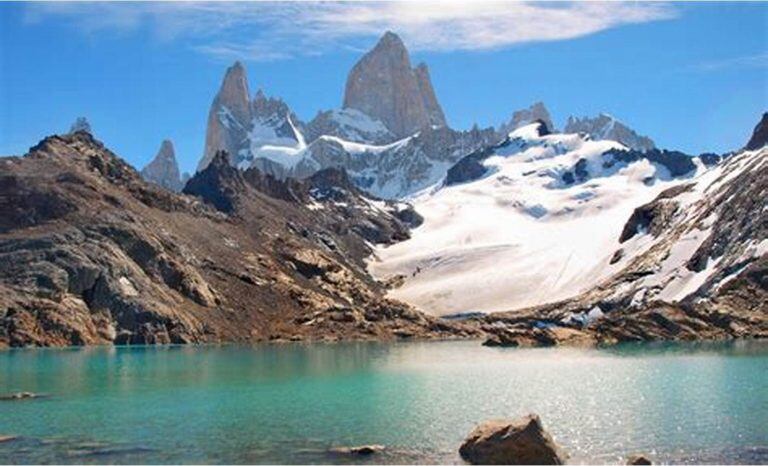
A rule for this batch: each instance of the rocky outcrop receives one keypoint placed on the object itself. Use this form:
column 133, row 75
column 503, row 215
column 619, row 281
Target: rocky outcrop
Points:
column 384, row 86
column 606, row 127
column 536, row 112
column 90, row 253
column 759, row 135
column 80, row 124
column 517, row 441
column 163, row 170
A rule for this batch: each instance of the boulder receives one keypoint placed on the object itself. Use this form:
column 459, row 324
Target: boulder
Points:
column 511, row 441
column 638, row 460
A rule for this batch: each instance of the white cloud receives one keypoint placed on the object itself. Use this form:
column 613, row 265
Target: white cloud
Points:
column 269, row 30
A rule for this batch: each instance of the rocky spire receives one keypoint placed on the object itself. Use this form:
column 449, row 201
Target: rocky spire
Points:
column 384, row 86
column 80, row 124
column 163, row 170
column 759, row 135
column 526, row 116
column 229, row 117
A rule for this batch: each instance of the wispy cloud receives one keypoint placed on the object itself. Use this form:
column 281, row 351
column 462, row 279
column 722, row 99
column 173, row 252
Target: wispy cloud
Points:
column 759, row 60
column 271, row 31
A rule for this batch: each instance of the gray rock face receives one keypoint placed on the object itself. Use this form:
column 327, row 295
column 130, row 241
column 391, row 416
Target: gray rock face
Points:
column 163, row 170
column 80, row 124
column 526, row 116
column 385, row 86
column 605, row 127
column 517, row 441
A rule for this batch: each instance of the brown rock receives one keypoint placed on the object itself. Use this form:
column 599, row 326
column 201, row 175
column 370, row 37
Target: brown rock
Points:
column 518, row 441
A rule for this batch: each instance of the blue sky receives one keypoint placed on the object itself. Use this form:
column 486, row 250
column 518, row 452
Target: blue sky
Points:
column 693, row 76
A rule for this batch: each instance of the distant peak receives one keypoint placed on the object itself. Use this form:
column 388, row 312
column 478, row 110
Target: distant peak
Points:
column 80, row 124
column 390, row 41
column 759, row 135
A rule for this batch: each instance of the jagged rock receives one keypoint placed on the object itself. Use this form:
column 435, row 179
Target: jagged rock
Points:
column 163, row 170
column 607, row 127
column 518, row 441
column 759, row 135
column 80, row 124
column 384, row 86
column 348, row 124
column 536, row 112
column 638, row 460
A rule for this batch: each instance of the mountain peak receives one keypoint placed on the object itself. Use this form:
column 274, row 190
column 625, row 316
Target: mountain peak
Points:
column 759, row 135
column 536, row 112
column 384, row 86
column 163, row 170
column 607, row 127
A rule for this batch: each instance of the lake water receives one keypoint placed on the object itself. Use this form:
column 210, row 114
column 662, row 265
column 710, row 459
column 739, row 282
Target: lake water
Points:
column 679, row 403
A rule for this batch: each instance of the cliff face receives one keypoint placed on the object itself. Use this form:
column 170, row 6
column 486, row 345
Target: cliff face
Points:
column 384, row 86
column 90, row 253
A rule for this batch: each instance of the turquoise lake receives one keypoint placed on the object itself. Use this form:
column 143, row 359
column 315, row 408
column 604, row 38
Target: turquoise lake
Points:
column 681, row 403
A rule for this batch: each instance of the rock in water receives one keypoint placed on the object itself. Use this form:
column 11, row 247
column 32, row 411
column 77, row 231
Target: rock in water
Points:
column 361, row 450
column 163, row 170
column 638, row 460
column 384, row 86
column 518, row 441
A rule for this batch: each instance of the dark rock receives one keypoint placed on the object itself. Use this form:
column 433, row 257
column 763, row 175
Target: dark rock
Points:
column 759, row 135
column 638, row 460
column 361, row 450
column 517, row 441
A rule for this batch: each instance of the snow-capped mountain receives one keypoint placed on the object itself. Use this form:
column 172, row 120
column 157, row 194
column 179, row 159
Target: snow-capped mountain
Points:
column 163, row 170
column 534, row 219
column 606, row 127
column 390, row 135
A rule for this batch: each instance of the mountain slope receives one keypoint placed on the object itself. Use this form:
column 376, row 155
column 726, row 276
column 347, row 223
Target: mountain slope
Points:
column 532, row 220
column 92, row 254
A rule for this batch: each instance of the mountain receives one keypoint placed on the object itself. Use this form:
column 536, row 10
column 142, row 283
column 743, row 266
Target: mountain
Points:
column 90, row 253
column 243, row 127
column 606, row 127
column 384, row 86
column 533, row 219
column 163, row 170
column 759, row 135
column 536, row 112
column 80, row 124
